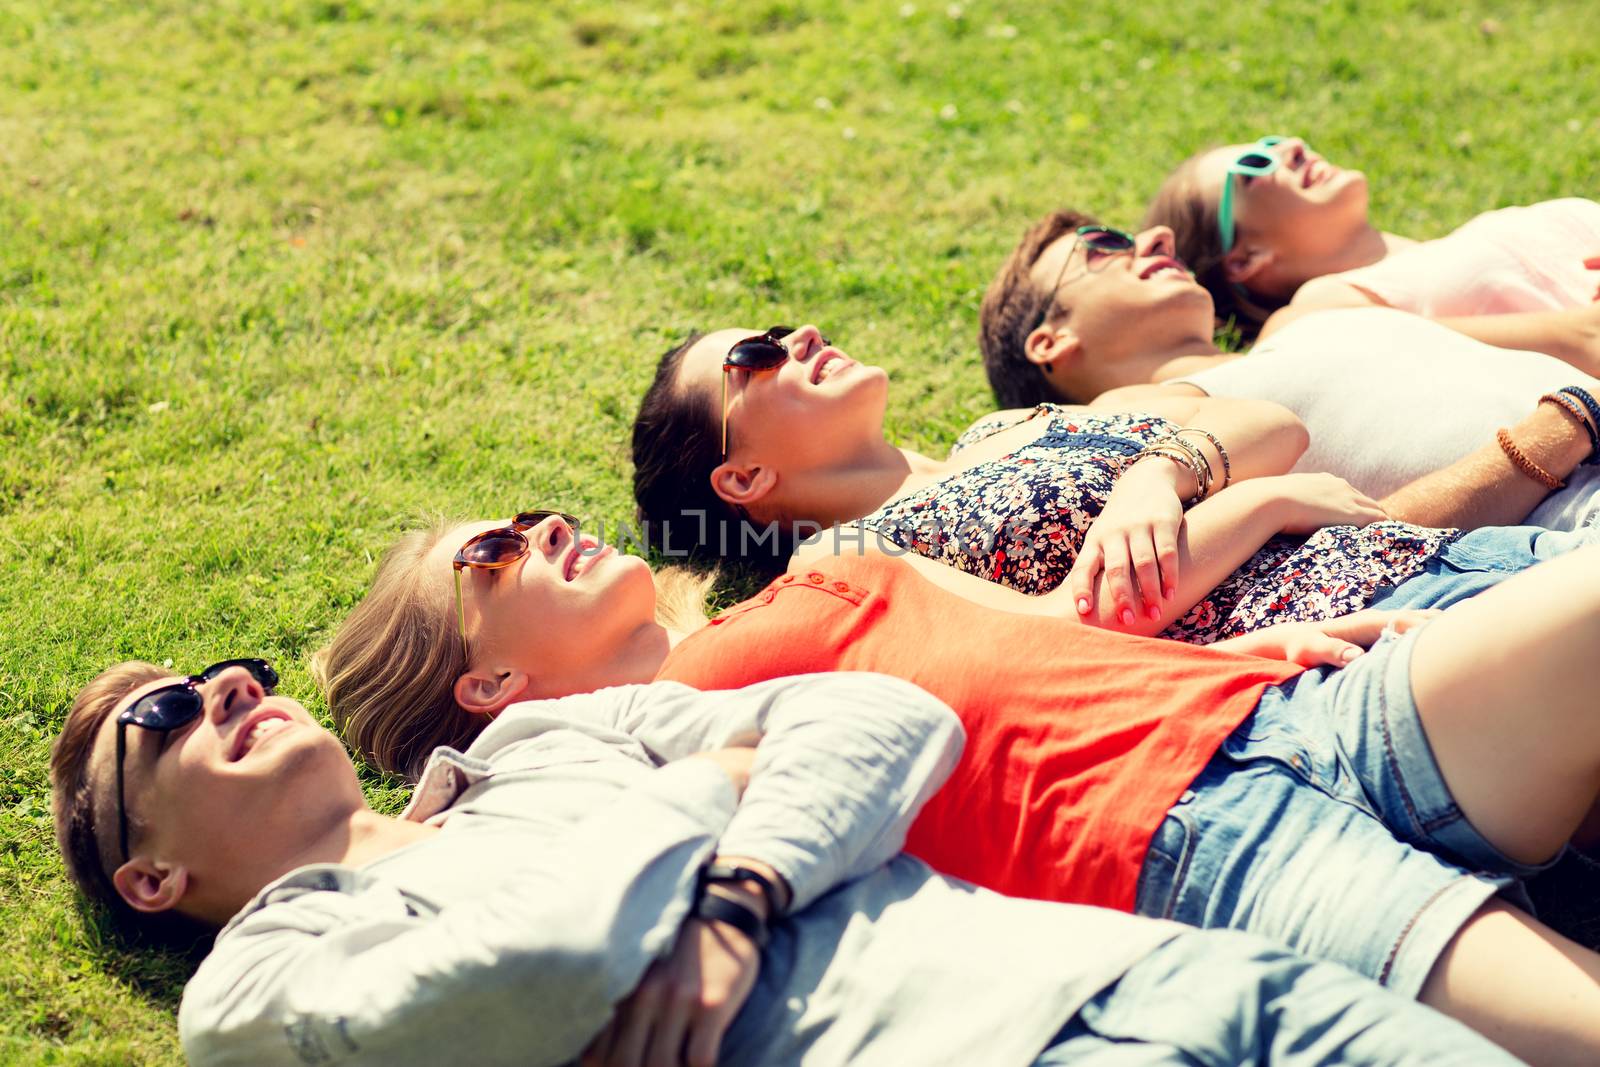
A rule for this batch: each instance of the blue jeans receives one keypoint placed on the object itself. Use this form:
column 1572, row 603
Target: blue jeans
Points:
column 1477, row 560
column 1324, row 822
column 1224, row 999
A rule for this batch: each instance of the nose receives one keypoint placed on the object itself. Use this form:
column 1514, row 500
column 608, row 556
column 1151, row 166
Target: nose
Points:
column 233, row 692
column 551, row 537
column 804, row 342
column 1293, row 152
column 1157, row 241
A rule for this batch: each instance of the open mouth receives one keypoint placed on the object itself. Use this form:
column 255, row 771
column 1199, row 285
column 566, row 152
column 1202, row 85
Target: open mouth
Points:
column 829, row 361
column 584, row 554
column 1163, row 265
column 260, row 725
column 1316, row 173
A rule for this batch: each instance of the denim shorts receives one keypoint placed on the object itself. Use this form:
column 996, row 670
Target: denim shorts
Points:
column 1323, row 822
column 1477, row 560
column 1220, row 998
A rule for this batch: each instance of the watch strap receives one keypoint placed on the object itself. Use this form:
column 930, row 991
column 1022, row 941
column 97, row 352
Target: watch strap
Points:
column 714, row 908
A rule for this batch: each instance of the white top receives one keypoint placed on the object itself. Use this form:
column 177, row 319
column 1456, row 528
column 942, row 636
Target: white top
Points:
column 566, row 861
column 1388, row 397
column 1514, row 259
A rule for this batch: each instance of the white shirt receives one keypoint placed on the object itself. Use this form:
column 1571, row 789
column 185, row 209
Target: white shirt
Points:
column 1389, row 397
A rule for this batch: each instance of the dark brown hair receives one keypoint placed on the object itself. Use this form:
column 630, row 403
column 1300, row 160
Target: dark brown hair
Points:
column 89, row 862
column 1183, row 205
column 676, row 447
column 1013, row 307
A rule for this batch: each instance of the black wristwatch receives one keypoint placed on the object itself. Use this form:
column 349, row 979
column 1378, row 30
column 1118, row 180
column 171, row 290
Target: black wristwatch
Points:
column 742, row 917
column 727, row 873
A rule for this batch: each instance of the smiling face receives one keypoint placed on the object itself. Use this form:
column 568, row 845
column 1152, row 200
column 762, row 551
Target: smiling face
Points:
column 558, row 615
column 816, row 406
column 1302, row 209
column 247, row 782
column 1117, row 308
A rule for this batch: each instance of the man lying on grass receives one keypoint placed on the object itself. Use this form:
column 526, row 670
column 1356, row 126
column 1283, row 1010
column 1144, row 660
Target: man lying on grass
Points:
column 558, row 892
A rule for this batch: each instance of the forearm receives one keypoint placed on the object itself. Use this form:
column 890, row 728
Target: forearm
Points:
column 1262, row 438
column 1217, row 537
column 1486, row 488
column 844, row 763
column 1561, row 334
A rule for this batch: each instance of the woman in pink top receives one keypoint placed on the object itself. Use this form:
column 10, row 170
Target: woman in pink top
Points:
column 1274, row 230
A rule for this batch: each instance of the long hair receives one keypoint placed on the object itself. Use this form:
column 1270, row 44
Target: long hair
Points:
column 1013, row 307
column 1184, row 205
column 88, row 857
column 676, row 447
column 390, row 671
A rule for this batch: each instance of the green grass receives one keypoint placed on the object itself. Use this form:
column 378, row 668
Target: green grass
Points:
column 275, row 276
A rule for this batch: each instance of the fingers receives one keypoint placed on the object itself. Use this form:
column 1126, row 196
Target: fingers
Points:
column 705, row 1039
column 1083, row 577
column 1324, row 650
column 1119, row 583
column 1142, row 551
column 679, row 1000
column 1166, row 542
column 630, row 1025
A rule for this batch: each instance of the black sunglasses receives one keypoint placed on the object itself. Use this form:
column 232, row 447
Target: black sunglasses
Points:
column 763, row 352
column 168, row 708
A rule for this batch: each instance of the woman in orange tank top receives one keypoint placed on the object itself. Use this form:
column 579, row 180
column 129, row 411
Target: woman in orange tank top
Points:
column 1380, row 813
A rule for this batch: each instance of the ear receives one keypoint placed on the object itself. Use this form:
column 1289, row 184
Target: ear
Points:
column 488, row 691
column 1053, row 348
column 1245, row 262
column 743, row 486
column 150, row 886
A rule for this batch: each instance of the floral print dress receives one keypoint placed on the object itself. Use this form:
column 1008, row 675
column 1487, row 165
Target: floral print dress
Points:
column 1020, row 520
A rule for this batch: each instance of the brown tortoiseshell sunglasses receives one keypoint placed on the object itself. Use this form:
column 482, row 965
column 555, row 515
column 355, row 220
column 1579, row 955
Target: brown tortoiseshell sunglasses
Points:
column 497, row 548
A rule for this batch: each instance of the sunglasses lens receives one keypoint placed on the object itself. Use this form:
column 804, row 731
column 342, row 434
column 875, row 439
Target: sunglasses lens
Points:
column 1108, row 240
column 495, row 548
column 1257, row 161
column 166, row 709
column 778, row 333
column 756, row 353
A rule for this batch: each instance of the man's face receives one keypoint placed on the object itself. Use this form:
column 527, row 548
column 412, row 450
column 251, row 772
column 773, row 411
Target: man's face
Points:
column 245, row 779
column 1123, row 303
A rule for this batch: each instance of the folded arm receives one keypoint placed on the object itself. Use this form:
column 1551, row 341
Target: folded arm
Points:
column 845, row 763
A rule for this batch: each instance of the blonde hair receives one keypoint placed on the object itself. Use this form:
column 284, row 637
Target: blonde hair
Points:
column 389, row 673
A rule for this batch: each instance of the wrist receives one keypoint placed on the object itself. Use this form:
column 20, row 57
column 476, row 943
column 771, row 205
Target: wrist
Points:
column 1163, row 472
column 748, row 881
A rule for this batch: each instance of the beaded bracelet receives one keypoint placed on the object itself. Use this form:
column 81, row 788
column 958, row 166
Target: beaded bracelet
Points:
column 1574, row 409
column 1227, row 464
column 1523, row 463
column 1591, row 406
column 1179, row 457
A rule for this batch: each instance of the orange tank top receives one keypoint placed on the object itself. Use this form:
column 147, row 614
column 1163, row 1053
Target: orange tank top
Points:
column 1078, row 739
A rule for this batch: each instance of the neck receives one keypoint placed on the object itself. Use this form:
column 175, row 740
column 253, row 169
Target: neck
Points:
column 1152, row 363
column 1362, row 248
column 350, row 836
column 854, row 487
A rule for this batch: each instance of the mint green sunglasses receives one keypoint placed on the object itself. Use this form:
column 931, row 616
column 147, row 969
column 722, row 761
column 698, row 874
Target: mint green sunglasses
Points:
column 1257, row 161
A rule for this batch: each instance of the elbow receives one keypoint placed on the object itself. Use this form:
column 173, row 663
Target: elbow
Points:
column 1296, row 439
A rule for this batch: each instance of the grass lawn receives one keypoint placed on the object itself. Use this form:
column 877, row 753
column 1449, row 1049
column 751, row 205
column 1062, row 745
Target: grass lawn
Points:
column 276, row 276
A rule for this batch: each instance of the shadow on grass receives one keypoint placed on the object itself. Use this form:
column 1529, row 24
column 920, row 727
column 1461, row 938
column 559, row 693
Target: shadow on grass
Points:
column 155, row 966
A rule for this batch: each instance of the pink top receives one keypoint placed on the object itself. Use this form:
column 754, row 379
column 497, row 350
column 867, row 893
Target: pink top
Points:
column 1515, row 259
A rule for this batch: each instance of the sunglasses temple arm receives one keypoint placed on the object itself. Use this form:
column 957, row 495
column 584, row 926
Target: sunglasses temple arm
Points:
column 122, row 796
column 724, row 412
column 461, row 613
